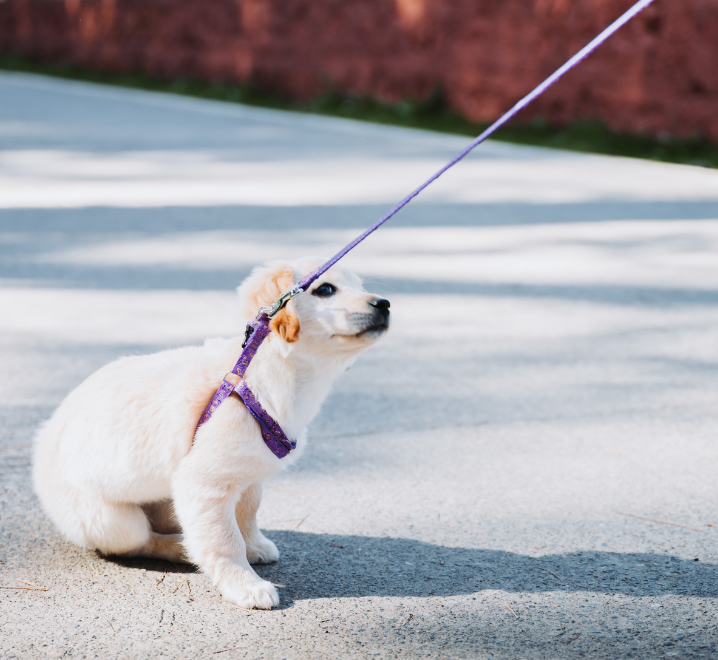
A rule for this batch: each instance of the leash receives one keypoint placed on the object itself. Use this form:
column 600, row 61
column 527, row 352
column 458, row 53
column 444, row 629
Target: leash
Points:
column 258, row 330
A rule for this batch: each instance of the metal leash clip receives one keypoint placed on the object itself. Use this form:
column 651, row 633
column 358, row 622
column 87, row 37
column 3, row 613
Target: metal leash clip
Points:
column 271, row 311
column 282, row 301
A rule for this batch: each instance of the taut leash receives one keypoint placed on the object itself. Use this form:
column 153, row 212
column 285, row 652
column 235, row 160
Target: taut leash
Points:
column 273, row 435
column 576, row 59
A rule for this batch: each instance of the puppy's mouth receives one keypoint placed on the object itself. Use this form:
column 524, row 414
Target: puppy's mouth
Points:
column 373, row 330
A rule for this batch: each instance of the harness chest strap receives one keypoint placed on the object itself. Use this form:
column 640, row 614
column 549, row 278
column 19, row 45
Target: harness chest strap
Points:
column 274, row 437
column 272, row 434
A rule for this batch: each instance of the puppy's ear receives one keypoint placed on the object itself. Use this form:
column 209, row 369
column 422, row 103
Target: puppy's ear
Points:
column 262, row 289
column 286, row 323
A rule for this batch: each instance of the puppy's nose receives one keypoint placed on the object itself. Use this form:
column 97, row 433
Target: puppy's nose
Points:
column 381, row 304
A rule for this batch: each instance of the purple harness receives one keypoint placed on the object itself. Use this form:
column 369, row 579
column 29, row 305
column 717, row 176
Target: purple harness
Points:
column 257, row 331
column 277, row 441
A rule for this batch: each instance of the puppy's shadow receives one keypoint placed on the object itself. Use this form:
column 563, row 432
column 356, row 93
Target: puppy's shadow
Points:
column 326, row 566
column 155, row 565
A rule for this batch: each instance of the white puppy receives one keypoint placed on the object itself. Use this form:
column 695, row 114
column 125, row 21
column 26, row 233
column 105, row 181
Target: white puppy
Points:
column 118, row 456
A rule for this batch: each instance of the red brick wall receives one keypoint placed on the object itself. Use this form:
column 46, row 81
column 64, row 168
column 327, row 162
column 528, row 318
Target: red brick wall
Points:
column 659, row 74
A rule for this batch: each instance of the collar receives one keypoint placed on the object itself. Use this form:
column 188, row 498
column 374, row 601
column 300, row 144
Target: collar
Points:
column 272, row 434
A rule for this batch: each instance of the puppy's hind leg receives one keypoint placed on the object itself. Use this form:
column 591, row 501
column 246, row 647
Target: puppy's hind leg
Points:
column 165, row 541
column 113, row 528
column 110, row 527
column 260, row 550
column 161, row 546
column 124, row 531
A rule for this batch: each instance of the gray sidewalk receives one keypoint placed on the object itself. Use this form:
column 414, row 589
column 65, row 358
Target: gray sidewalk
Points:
column 484, row 483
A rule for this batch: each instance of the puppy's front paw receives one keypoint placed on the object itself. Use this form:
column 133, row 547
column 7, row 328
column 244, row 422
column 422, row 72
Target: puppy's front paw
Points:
column 250, row 593
column 261, row 550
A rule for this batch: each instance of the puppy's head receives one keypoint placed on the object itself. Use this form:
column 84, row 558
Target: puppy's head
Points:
column 335, row 315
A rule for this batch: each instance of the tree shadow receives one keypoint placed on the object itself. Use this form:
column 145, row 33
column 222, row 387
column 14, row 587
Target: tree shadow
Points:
column 327, row 566
column 32, row 236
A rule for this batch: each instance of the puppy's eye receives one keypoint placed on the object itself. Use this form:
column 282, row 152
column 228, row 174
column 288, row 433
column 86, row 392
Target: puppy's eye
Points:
column 325, row 290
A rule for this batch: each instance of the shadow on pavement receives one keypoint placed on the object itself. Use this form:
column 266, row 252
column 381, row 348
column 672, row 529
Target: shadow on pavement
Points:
column 28, row 238
column 154, row 278
column 327, row 566
column 92, row 222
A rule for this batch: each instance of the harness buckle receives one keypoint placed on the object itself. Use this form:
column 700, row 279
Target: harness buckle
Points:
column 232, row 378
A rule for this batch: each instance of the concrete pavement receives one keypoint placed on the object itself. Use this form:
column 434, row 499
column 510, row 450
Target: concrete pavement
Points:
column 484, row 483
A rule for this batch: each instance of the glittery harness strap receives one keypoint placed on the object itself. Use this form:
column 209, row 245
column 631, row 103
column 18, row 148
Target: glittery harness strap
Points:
column 274, row 437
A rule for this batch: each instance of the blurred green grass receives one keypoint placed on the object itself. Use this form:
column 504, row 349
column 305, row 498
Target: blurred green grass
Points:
column 431, row 114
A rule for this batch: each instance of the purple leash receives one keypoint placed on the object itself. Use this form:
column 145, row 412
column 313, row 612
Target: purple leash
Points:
column 576, row 59
column 273, row 435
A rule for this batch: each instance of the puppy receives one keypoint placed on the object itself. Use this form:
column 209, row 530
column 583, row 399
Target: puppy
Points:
column 122, row 446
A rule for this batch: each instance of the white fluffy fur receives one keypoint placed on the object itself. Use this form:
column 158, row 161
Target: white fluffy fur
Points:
column 115, row 467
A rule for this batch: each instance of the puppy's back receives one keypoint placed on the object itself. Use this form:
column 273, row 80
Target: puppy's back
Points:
column 123, row 429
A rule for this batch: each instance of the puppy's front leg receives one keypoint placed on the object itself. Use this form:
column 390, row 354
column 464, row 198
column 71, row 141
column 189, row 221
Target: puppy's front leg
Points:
column 205, row 491
column 260, row 550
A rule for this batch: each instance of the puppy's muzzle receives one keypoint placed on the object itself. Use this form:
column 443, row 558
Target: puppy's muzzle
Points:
column 378, row 321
